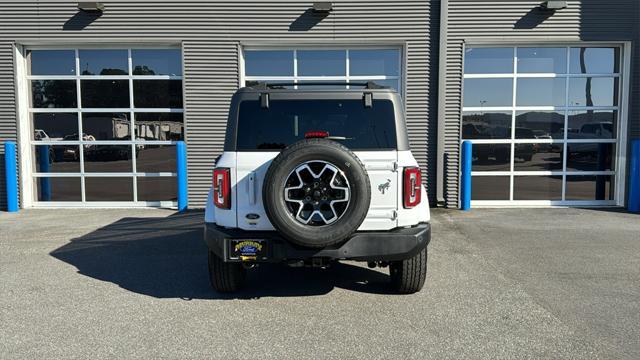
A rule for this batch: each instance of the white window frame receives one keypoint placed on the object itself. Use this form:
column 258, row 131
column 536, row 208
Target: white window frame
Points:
column 295, row 78
column 618, row 175
column 27, row 169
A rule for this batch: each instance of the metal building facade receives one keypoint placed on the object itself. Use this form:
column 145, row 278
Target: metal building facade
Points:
column 432, row 35
column 212, row 34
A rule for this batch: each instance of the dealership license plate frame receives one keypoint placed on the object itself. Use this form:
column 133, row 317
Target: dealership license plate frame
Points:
column 248, row 249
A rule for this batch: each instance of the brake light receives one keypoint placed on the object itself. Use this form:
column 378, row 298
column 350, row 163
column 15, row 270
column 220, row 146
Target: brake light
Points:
column 221, row 188
column 316, row 134
column 411, row 188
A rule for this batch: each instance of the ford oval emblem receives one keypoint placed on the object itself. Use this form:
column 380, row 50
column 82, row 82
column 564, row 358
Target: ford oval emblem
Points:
column 252, row 216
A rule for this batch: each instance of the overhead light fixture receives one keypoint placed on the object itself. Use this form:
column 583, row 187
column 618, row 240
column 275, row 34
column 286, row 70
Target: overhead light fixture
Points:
column 322, row 7
column 92, row 6
column 553, row 5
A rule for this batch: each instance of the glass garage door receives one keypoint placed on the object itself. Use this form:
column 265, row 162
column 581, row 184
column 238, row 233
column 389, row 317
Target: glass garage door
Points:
column 341, row 66
column 544, row 122
column 104, row 124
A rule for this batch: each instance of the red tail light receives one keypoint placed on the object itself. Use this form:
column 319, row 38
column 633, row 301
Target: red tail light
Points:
column 221, row 188
column 411, row 189
column 315, row 134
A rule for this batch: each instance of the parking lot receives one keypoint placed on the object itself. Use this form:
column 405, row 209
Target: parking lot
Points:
column 507, row 283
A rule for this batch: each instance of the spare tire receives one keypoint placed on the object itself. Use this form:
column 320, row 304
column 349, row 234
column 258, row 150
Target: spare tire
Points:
column 316, row 193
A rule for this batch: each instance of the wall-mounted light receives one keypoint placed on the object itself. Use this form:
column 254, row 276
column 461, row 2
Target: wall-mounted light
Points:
column 322, row 7
column 92, row 6
column 553, row 5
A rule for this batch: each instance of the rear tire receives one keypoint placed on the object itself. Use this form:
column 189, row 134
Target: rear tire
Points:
column 225, row 277
column 408, row 276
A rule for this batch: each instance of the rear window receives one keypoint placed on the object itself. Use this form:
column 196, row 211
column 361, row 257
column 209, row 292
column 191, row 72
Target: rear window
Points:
column 286, row 121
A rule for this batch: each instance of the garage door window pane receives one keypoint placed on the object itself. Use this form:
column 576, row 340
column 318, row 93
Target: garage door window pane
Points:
column 55, row 126
column 486, row 125
column 156, row 158
column 490, row 188
column 268, row 63
column 160, row 126
column 540, row 92
column 592, row 124
column 590, row 156
column 591, row 187
column 106, row 126
column 108, row 158
column 53, row 94
column 537, row 188
column 156, row 62
column 104, row 93
column 593, row 91
column 538, row 157
column 594, row 60
column 488, row 61
column 322, row 62
column 108, row 188
column 374, row 62
column 157, row 188
column 476, row 92
column 58, row 189
column 542, row 60
column 491, row 157
column 539, row 125
column 57, row 158
column 52, row 62
column 157, row 93
column 104, row 62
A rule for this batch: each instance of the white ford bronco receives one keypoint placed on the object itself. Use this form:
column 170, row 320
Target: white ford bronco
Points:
column 312, row 176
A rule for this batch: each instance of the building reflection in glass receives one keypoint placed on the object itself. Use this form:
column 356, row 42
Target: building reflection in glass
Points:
column 106, row 126
column 159, row 126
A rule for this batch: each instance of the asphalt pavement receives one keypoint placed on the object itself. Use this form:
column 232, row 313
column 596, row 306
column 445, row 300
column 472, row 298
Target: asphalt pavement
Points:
column 502, row 283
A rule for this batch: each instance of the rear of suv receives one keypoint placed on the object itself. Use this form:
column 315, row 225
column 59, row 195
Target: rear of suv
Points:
column 313, row 176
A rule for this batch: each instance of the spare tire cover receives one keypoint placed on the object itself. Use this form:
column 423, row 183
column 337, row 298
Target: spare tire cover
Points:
column 316, row 193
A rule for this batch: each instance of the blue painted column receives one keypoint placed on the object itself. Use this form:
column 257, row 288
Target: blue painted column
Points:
column 465, row 176
column 183, row 202
column 44, row 163
column 634, row 177
column 11, row 175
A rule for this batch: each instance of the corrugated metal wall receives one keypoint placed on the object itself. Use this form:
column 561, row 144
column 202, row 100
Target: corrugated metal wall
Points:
column 211, row 31
column 211, row 77
column 521, row 20
column 8, row 128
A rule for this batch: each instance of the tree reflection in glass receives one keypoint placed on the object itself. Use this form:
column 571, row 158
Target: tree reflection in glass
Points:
column 53, row 94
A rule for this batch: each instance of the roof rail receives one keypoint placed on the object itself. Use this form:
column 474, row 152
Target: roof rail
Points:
column 282, row 85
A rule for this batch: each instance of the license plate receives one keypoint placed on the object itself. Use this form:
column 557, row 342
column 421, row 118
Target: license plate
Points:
column 248, row 249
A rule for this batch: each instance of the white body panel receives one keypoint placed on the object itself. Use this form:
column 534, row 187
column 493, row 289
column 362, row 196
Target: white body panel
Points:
column 385, row 169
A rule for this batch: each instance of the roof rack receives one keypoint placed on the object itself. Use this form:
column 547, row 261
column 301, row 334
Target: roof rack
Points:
column 282, row 85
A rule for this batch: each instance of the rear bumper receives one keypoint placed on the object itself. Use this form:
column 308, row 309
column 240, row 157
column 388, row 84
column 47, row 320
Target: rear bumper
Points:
column 392, row 245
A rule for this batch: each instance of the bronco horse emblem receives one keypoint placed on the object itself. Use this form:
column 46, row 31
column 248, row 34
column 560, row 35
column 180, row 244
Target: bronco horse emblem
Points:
column 384, row 187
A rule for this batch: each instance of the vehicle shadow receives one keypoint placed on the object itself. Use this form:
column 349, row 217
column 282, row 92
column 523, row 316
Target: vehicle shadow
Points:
column 167, row 258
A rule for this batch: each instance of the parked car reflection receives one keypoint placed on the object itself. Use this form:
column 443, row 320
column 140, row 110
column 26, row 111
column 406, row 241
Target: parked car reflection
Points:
column 590, row 156
column 112, row 152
